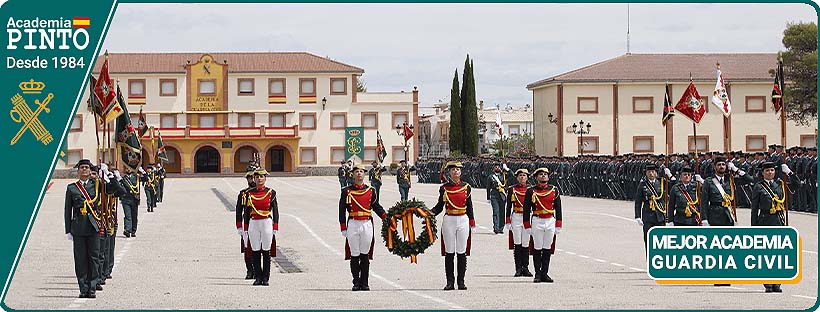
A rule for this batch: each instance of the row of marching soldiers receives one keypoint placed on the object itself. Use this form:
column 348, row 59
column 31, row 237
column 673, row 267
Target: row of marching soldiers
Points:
column 694, row 201
column 91, row 217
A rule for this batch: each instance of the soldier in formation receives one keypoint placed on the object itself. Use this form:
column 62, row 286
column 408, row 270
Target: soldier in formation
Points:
column 458, row 224
column 243, row 217
column 542, row 205
column 375, row 177
column 262, row 226
column 403, row 178
column 515, row 223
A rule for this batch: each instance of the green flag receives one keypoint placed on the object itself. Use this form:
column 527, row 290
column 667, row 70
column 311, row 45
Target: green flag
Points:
column 161, row 154
column 127, row 141
column 354, row 142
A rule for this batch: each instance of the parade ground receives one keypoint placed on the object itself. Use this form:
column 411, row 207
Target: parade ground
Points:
column 186, row 256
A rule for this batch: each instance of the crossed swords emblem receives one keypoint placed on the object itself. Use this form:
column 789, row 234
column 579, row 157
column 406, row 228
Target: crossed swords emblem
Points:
column 22, row 113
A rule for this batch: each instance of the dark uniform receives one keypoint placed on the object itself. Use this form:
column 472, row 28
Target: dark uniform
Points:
column 684, row 202
column 718, row 206
column 458, row 224
column 649, row 202
column 497, row 196
column 342, row 174
column 375, row 177
column 357, row 204
column 160, row 182
column 108, row 239
column 150, row 186
column 130, row 202
column 83, row 225
column 403, row 179
column 768, row 205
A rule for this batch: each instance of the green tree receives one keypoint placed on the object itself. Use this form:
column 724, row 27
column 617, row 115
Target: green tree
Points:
column 361, row 86
column 456, row 143
column 800, row 72
column 469, row 111
column 517, row 145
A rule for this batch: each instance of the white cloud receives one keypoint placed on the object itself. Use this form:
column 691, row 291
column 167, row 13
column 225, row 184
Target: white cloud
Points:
column 402, row 45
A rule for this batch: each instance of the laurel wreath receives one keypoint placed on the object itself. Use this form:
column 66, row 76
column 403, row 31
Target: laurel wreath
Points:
column 401, row 247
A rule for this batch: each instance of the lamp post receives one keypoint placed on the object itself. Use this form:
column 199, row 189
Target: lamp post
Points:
column 581, row 132
column 324, row 102
column 551, row 119
column 400, row 131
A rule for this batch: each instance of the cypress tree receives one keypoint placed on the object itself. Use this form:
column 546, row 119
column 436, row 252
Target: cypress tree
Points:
column 456, row 143
column 469, row 111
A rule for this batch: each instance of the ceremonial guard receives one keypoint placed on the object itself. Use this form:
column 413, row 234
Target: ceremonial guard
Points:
column 497, row 196
column 263, row 225
column 649, row 200
column 719, row 193
column 684, row 200
column 150, row 186
column 131, row 200
column 357, row 204
column 108, row 239
column 243, row 218
column 160, row 181
column 458, row 224
column 342, row 174
column 768, row 202
column 83, row 224
column 542, row 205
column 375, row 177
column 514, row 223
column 403, row 178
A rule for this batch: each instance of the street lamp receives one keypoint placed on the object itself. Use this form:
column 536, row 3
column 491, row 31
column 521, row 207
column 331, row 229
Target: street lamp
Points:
column 400, row 130
column 324, row 102
column 581, row 132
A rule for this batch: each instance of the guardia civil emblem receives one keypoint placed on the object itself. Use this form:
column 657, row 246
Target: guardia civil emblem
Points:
column 21, row 112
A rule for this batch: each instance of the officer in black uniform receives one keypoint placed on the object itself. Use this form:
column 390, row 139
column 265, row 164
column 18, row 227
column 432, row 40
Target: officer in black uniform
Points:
column 83, row 224
column 768, row 202
column 375, row 177
column 131, row 200
column 684, row 200
column 403, row 179
column 161, row 181
column 341, row 173
column 649, row 200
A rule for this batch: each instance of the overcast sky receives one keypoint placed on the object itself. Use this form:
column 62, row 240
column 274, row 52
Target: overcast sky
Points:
column 402, row 45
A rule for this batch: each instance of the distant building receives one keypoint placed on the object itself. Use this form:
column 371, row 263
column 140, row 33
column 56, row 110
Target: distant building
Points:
column 514, row 121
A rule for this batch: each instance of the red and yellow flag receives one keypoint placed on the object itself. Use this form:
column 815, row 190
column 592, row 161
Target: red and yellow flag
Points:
column 81, row 22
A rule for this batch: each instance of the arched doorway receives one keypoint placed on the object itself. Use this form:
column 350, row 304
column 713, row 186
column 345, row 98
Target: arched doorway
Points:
column 206, row 160
column 174, row 163
column 243, row 158
column 278, row 159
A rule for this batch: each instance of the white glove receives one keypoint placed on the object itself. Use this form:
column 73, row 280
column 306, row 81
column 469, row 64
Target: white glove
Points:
column 104, row 176
column 673, row 179
column 731, row 166
column 239, row 231
column 141, row 170
column 699, row 179
column 274, row 232
column 68, row 236
column 472, row 230
column 557, row 230
column 785, row 168
column 104, row 167
column 741, row 173
column 344, row 233
column 705, row 223
column 667, row 172
column 504, row 166
column 117, row 174
column 507, row 227
column 639, row 221
column 528, row 231
column 670, row 224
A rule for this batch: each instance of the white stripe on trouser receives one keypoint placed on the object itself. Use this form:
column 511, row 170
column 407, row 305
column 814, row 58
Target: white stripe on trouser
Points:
column 359, row 236
column 260, row 233
column 543, row 230
column 520, row 237
column 456, row 229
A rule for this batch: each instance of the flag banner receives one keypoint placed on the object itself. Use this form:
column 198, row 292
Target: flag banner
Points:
column 668, row 108
column 498, row 127
column 127, row 140
column 142, row 126
column 93, row 99
column 408, row 133
column 777, row 89
column 354, row 142
column 381, row 152
column 161, row 154
column 690, row 104
column 104, row 89
column 720, row 97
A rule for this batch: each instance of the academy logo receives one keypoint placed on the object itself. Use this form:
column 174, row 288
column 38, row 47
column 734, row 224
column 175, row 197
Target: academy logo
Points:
column 48, row 34
column 22, row 113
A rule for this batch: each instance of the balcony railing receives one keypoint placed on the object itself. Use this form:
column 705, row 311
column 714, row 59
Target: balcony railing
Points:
column 226, row 132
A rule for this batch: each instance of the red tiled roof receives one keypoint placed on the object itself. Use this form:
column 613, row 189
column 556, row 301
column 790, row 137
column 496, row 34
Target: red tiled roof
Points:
column 245, row 62
column 671, row 67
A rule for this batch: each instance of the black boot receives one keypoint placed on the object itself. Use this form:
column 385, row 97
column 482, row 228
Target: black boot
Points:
column 525, row 262
column 545, row 265
column 776, row 288
column 364, row 259
column 449, row 268
column 248, row 267
column 517, row 257
column 355, row 270
column 536, row 262
column 768, row 288
column 462, row 269
column 265, row 267
column 257, row 268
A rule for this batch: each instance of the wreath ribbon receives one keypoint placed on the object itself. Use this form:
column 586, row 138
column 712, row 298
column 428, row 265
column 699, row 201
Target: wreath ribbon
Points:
column 408, row 230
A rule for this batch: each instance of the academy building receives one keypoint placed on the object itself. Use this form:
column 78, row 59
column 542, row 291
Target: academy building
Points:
column 217, row 112
column 622, row 99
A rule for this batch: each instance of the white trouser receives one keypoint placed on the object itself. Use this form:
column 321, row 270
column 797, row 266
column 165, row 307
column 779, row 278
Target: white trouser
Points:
column 456, row 229
column 543, row 230
column 520, row 236
column 359, row 236
column 260, row 233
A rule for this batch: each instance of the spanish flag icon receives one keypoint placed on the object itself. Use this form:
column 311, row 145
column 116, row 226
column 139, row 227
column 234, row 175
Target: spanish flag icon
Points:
column 81, row 22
